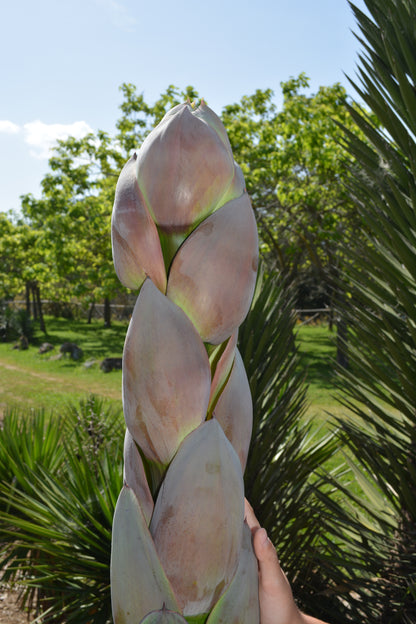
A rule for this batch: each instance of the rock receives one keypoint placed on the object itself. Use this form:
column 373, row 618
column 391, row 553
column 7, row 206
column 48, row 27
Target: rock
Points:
column 72, row 350
column 45, row 347
column 111, row 363
column 90, row 363
column 22, row 344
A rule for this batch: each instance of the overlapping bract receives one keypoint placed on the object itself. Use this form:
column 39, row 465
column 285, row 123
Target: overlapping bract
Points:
column 183, row 231
column 166, row 378
column 202, row 497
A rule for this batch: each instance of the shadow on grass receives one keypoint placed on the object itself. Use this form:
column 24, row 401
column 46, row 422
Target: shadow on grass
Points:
column 94, row 339
column 317, row 351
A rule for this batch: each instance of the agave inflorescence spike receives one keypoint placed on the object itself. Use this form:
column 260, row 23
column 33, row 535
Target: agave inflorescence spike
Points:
column 184, row 233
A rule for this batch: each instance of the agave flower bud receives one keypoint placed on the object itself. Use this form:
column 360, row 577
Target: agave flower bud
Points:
column 221, row 360
column 135, row 477
column 240, row 601
column 166, row 375
column 198, row 518
column 181, row 144
column 207, row 115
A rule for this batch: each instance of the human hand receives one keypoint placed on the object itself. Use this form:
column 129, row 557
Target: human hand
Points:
column 277, row 605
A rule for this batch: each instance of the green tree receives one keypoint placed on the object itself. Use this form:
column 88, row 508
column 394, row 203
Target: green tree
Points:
column 74, row 216
column 296, row 171
column 10, row 257
column 24, row 264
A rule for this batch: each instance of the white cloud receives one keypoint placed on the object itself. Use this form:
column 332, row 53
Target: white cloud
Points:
column 8, row 127
column 42, row 137
column 118, row 13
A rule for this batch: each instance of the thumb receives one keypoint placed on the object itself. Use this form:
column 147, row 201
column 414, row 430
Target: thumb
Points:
column 276, row 600
column 272, row 577
column 266, row 554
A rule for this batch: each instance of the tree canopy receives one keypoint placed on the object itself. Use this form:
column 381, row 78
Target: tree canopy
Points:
column 296, row 172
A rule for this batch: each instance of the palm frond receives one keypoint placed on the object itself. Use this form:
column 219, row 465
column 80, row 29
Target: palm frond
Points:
column 380, row 386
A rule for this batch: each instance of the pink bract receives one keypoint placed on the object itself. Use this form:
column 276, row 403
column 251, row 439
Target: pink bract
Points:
column 213, row 274
column 166, row 375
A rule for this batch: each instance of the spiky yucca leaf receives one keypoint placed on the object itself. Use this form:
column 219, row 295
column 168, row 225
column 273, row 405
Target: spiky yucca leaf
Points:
column 56, row 522
column 380, row 385
column 27, row 441
column 284, row 467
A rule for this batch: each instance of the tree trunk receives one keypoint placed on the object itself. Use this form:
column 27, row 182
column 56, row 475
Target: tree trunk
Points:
column 91, row 312
column 107, row 312
column 39, row 307
column 34, row 302
column 331, row 314
column 28, row 299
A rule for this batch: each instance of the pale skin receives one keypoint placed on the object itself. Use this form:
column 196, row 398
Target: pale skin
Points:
column 277, row 605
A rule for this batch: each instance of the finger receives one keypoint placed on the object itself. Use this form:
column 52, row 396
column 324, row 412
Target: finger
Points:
column 264, row 549
column 249, row 516
column 269, row 567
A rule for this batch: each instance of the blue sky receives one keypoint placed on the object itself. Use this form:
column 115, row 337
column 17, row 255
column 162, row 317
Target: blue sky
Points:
column 62, row 62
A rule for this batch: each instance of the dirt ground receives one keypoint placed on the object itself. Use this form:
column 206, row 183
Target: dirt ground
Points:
column 9, row 611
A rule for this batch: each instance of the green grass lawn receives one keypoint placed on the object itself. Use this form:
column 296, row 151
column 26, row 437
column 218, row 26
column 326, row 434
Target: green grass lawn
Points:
column 28, row 379
column 317, row 349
